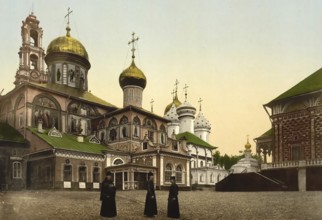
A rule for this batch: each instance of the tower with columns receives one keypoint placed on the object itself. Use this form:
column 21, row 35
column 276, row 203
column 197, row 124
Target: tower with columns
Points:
column 31, row 54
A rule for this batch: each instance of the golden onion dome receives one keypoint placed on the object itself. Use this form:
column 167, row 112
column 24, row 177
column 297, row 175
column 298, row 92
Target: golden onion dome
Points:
column 248, row 145
column 67, row 44
column 176, row 103
column 132, row 76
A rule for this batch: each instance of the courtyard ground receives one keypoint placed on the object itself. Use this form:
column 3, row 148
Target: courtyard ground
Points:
column 55, row 205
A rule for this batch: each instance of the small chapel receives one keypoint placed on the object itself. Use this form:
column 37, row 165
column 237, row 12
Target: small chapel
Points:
column 55, row 134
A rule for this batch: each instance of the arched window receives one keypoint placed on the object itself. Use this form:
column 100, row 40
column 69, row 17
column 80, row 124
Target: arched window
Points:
column 46, row 111
column 101, row 125
column 33, row 62
column 201, row 178
column 112, row 133
column 118, row 162
column 17, row 170
column 112, row 123
column 201, row 163
column 175, row 145
column 167, row 172
column 124, row 121
column 33, row 38
column 211, row 177
column 136, row 127
column 162, row 135
column 151, row 126
column 179, row 174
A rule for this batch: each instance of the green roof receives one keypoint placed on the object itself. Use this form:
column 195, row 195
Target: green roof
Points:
column 193, row 139
column 267, row 134
column 8, row 133
column 74, row 92
column 310, row 84
column 69, row 142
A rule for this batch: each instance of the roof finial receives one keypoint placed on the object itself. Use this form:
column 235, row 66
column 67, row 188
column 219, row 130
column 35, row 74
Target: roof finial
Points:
column 32, row 9
column 176, row 85
column 173, row 94
column 200, row 100
column 68, row 28
column 151, row 102
column 186, row 92
column 132, row 42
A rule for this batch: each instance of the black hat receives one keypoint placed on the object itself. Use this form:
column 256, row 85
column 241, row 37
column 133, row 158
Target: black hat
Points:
column 172, row 178
column 108, row 173
column 150, row 174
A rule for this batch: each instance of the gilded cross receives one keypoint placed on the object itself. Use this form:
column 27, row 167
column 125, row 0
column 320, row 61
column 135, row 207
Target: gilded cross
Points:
column 132, row 42
column 69, row 12
column 200, row 100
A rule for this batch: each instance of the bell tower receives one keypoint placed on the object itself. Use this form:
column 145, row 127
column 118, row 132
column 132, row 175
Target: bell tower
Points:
column 31, row 53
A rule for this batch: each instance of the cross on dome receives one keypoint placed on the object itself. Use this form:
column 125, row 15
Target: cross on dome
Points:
column 68, row 28
column 200, row 101
column 186, row 91
column 151, row 102
column 132, row 42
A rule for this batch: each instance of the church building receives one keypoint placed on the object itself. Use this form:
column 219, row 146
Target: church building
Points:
column 61, row 136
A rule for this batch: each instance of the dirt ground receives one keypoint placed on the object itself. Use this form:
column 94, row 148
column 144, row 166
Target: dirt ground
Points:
column 53, row 205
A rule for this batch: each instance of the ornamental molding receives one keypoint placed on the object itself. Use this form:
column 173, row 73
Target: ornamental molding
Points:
column 79, row 155
column 54, row 133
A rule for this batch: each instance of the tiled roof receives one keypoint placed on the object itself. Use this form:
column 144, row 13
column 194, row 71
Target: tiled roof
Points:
column 267, row 134
column 310, row 84
column 69, row 142
column 73, row 92
column 193, row 139
column 8, row 133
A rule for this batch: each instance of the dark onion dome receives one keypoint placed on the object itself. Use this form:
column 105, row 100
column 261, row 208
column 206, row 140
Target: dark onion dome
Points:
column 176, row 103
column 67, row 44
column 132, row 76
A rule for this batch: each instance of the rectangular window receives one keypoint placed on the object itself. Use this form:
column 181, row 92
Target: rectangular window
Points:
column 82, row 174
column 175, row 145
column 297, row 152
column 65, row 74
column 167, row 175
column 96, row 175
column 21, row 120
column 145, row 145
column 17, row 170
column 67, row 173
column 151, row 135
column 179, row 177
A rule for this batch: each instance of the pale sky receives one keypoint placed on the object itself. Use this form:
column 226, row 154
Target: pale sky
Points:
column 235, row 55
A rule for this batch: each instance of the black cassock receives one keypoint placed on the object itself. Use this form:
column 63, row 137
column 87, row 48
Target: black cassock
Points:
column 108, row 207
column 173, row 203
column 150, row 208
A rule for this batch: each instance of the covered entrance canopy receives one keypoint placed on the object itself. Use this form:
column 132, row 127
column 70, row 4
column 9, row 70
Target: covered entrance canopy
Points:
column 131, row 176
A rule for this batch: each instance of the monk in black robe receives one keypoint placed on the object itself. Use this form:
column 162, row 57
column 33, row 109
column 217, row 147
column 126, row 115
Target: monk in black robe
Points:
column 108, row 190
column 150, row 208
column 173, row 203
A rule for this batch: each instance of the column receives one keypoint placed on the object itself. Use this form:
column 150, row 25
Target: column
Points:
column 161, row 170
column 188, row 173
column 302, row 176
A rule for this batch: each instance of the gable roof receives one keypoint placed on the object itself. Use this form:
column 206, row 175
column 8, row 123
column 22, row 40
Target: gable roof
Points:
column 9, row 134
column 74, row 92
column 310, row 84
column 69, row 142
column 193, row 139
column 267, row 134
